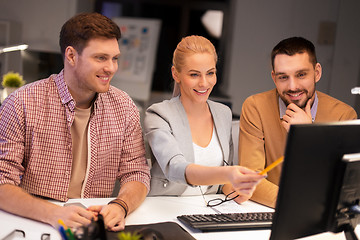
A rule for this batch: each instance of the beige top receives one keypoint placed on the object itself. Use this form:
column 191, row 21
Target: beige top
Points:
column 79, row 132
column 262, row 138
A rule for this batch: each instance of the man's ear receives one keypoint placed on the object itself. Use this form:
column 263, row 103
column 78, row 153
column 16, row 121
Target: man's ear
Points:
column 318, row 72
column 70, row 55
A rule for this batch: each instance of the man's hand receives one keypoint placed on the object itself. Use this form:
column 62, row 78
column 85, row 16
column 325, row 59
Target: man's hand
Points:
column 296, row 115
column 114, row 216
column 73, row 216
column 133, row 194
column 12, row 199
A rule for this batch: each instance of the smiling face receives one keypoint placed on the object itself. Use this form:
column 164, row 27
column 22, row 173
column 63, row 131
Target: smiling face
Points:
column 197, row 77
column 91, row 71
column 295, row 78
column 96, row 65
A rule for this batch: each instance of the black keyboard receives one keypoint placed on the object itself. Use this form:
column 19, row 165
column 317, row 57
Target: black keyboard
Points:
column 228, row 221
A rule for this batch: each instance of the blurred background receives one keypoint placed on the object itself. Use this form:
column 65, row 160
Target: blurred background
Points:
column 243, row 32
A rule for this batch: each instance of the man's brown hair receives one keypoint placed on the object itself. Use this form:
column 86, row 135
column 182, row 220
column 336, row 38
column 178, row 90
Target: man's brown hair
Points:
column 292, row 46
column 81, row 28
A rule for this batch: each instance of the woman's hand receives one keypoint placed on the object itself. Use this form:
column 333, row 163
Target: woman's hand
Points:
column 243, row 181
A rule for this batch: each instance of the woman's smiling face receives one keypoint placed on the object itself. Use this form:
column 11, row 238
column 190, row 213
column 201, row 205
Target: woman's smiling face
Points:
column 197, row 77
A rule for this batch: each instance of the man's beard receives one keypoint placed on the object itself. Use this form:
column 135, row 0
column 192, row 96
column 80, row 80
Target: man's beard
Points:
column 300, row 103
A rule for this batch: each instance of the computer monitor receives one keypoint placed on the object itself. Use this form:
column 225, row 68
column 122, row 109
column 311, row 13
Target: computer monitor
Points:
column 317, row 187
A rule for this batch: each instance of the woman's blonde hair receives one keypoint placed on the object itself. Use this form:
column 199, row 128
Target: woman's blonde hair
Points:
column 187, row 46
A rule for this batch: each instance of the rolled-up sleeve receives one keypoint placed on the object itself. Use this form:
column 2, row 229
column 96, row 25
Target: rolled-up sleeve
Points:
column 134, row 165
column 11, row 142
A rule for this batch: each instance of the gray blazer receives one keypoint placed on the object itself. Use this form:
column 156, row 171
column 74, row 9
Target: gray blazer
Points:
column 168, row 133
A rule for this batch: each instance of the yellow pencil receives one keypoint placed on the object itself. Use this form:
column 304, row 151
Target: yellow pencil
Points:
column 271, row 166
column 61, row 222
column 69, row 234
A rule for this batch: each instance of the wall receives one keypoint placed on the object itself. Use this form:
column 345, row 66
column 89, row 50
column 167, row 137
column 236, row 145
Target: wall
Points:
column 345, row 73
column 260, row 25
column 10, row 34
column 42, row 19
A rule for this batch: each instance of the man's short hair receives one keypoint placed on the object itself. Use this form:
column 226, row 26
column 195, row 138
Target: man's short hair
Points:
column 81, row 28
column 292, row 46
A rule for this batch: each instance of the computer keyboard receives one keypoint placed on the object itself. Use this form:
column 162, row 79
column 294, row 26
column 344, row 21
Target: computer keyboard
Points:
column 228, row 221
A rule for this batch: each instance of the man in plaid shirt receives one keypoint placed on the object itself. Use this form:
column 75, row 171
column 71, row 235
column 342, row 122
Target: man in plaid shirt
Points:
column 72, row 135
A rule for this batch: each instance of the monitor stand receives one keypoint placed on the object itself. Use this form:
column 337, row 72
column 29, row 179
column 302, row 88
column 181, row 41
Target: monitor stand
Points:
column 350, row 232
column 348, row 210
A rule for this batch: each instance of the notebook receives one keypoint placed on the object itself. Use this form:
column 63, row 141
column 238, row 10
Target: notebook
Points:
column 167, row 230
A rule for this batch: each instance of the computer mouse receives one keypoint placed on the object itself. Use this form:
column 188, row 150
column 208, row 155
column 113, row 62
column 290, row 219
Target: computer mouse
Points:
column 150, row 234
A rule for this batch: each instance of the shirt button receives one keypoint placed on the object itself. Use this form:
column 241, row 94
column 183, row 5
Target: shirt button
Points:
column 165, row 183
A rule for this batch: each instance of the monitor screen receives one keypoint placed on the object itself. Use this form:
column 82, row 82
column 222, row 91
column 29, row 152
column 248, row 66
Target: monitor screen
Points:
column 311, row 179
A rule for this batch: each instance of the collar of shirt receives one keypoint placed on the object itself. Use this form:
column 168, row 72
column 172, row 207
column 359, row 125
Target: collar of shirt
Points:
column 64, row 93
column 282, row 107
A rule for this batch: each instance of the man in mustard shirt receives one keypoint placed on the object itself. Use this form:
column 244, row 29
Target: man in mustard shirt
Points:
column 266, row 117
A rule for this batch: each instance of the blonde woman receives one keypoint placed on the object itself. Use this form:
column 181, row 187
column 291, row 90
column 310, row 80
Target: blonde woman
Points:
column 190, row 135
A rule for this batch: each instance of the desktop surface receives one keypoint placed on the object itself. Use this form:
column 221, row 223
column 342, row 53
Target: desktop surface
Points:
column 155, row 210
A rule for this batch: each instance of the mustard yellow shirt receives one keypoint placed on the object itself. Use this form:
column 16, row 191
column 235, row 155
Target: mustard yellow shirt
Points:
column 262, row 138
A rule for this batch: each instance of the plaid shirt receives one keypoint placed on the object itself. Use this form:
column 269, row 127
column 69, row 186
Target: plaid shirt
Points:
column 36, row 144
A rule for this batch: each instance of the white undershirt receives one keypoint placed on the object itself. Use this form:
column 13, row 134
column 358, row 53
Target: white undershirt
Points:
column 211, row 155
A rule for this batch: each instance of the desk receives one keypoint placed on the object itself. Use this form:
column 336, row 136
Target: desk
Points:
column 156, row 209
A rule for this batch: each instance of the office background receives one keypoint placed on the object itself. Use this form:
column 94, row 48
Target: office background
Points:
column 251, row 29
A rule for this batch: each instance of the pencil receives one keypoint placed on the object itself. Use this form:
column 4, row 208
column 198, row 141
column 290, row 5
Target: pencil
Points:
column 63, row 233
column 271, row 166
column 69, row 234
column 61, row 222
